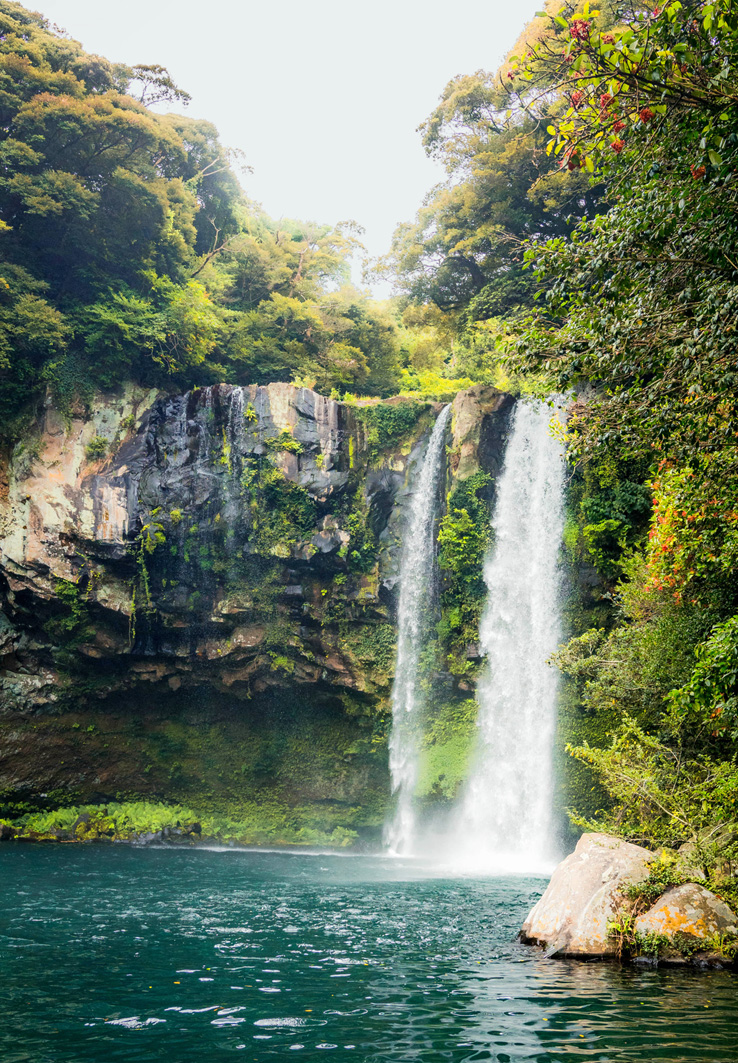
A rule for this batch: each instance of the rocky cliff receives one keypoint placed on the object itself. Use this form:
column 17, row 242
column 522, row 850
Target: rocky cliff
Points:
column 198, row 595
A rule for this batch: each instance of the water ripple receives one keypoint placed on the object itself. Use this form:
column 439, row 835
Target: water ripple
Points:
column 151, row 957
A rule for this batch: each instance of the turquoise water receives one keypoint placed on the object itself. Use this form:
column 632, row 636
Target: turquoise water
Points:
column 176, row 955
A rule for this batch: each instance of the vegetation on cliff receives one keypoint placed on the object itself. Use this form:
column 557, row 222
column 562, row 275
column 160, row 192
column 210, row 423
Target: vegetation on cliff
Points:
column 586, row 238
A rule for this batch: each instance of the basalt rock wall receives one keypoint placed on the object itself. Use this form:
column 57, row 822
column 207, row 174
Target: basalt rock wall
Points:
column 198, row 591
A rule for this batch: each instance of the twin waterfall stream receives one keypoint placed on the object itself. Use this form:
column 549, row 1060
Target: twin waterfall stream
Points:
column 502, row 819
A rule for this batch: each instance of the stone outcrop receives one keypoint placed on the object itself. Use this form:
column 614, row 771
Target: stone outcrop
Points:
column 572, row 917
column 585, row 903
column 479, row 426
column 690, row 910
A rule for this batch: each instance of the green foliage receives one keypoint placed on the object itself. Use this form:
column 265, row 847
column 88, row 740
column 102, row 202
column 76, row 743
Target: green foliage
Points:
column 361, row 553
column 283, row 513
column 96, row 448
column 70, row 627
column 663, row 873
column 707, row 706
column 464, row 251
column 661, row 796
column 386, row 424
column 374, row 644
column 152, row 536
column 464, row 539
column 448, row 744
column 284, row 441
column 631, row 669
column 126, row 821
column 642, row 300
column 426, row 384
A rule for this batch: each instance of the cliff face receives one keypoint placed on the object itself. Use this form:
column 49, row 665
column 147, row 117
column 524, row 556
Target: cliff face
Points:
column 198, row 593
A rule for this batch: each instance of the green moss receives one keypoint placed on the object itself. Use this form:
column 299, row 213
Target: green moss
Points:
column 282, row 512
column 446, row 751
column 464, row 540
column 152, row 536
column 283, row 769
column 362, row 550
column 387, row 424
column 284, row 441
column 248, row 824
column 71, row 626
column 373, row 644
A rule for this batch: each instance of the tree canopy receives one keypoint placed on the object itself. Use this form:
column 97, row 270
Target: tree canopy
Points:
column 129, row 249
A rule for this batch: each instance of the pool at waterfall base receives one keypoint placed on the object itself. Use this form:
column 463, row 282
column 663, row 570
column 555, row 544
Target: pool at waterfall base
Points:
column 118, row 953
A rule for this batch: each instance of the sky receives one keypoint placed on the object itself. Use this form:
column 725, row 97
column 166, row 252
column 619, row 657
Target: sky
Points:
column 324, row 97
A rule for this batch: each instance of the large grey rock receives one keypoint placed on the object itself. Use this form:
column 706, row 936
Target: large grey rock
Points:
column 479, row 427
column 689, row 909
column 582, row 899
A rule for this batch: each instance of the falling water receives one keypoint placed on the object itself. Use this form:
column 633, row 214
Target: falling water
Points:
column 504, row 817
column 414, row 616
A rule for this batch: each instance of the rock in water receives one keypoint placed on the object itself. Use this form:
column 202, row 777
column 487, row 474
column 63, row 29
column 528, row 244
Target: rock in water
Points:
column 582, row 898
column 691, row 910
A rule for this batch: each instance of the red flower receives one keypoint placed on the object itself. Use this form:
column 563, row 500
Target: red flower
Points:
column 510, row 74
column 617, row 146
column 618, row 126
column 605, row 99
column 697, row 172
column 608, row 38
column 646, row 114
column 577, row 97
column 579, row 29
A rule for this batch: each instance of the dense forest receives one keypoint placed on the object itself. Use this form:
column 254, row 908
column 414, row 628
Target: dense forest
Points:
column 131, row 251
column 584, row 243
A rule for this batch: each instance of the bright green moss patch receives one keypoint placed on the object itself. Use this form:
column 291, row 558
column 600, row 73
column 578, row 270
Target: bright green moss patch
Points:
column 447, row 749
column 386, row 424
column 251, row 823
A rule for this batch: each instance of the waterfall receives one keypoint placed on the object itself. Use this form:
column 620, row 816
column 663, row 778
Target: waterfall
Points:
column 415, row 615
column 504, row 818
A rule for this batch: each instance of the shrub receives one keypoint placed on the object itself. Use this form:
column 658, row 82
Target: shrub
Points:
column 96, row 448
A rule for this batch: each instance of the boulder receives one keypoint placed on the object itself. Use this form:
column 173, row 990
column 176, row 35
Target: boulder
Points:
column 691, row 910
column 583, row 897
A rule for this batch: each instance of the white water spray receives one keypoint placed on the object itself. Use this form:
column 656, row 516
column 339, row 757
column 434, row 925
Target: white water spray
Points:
column 414, row 617
column 505, row 816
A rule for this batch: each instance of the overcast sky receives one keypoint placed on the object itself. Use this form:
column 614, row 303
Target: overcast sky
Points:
column 323, row 96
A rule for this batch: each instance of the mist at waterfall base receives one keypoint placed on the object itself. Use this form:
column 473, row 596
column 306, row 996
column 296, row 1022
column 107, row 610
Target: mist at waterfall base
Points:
column 169, row 956
column 503, row 820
